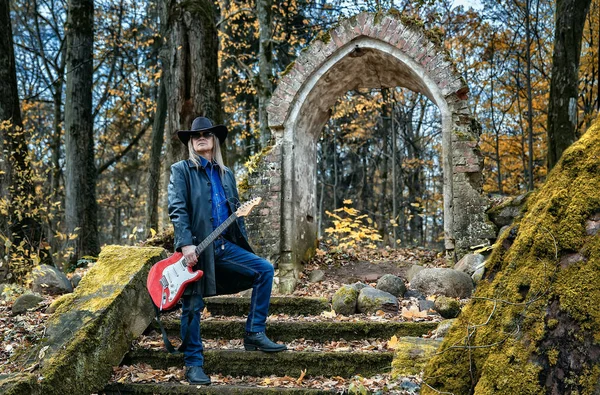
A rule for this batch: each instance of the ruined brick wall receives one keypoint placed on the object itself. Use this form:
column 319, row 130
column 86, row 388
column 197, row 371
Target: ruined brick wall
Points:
column 365, row 51
column 263, row 224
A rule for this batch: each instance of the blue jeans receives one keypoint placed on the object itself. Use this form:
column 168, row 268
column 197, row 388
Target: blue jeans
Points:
column 239, row 260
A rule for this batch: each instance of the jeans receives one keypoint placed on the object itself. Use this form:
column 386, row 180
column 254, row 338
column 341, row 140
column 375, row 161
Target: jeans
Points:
column 244, row 262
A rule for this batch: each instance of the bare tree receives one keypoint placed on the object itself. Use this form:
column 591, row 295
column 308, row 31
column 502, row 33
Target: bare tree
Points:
column 191, row 70
column 17, row 222
column 564, row 85
column 81, row 207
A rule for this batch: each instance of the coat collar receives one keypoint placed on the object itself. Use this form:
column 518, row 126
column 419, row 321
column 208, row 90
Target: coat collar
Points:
column 203, row 162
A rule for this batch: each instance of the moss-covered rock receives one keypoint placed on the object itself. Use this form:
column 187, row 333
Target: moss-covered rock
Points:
column 92, row 328
column 533, row 326
column 344, row 300
column 447, row 307
column 371, row 300
column 411, row 355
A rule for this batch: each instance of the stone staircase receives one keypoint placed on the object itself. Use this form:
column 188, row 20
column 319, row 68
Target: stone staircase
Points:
column 301, row 321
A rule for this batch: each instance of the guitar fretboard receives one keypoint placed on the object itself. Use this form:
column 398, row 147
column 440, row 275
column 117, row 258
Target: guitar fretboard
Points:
column 215, row 233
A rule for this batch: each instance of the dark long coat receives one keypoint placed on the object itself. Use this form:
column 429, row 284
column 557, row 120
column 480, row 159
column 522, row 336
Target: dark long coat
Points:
column 190, row 210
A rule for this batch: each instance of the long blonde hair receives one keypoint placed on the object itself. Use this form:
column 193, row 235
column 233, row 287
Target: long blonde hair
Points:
column 216, row 154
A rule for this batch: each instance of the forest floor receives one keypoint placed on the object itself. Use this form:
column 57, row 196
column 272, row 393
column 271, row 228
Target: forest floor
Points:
column 365, row 265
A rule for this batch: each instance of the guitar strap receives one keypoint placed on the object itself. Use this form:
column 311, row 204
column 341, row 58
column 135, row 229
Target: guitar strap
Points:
column 166, row 341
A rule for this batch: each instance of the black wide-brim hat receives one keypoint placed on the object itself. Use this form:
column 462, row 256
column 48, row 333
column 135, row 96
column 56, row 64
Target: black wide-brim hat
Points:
column 203, row 124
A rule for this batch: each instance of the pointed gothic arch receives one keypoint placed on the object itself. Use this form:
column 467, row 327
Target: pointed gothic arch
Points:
column 366, row 51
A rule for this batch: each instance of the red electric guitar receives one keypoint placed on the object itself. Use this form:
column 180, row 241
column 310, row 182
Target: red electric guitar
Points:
column 168, row 278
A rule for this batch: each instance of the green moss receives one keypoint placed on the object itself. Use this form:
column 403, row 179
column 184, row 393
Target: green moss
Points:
column 291, row 305
column 288, row 69
column 324, row 36
column 238, row 363
column 254, row 164
column 88, row 333
column 534, row 295
column 463, row 136
column 313, row 330
column 169, row 388
column 552, row 356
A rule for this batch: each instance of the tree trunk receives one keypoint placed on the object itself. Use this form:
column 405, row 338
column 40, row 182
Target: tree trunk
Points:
column 158, row 131
column 529, row 96
column 191, row 70
column 562, row 113
column 81, row 208
column 17, row 223
column 265, row 66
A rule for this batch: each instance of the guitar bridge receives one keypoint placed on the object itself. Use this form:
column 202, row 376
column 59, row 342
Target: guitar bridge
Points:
column 164, row 282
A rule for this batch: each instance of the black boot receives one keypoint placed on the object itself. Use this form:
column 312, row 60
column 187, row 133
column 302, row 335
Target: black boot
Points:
column 196, row 375
column 258, row 341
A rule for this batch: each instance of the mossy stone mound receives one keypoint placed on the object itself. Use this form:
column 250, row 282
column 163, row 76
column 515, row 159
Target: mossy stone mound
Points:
column 344, row 300
column 92, row 328
column 533, row 326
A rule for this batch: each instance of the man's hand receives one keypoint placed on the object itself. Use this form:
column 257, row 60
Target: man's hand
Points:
column 189, row 252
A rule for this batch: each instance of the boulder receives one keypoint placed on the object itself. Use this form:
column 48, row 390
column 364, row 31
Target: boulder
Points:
column 469, row 263
column 48, row 280
column 316, row 276
column 370, row 300
column 478, row 274
column 447, row 307
column 358, row 286
column 75, row 280
column 443, row 281
column 505, row 213
column 344, row 300
column 414, row 269
column 443, row 327
column 411, row 293
column 425, row 304
column 25, row 302
column 391, row 284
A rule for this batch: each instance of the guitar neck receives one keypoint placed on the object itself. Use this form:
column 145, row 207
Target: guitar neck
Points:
column 215, row 233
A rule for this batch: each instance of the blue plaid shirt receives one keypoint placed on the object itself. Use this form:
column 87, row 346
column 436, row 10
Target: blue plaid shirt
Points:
column 220, row 208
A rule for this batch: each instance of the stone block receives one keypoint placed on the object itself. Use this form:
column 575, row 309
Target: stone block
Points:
column 383, row 28
column 336, row 38
column 361, row 22
column 392, row 28
column 92, row 328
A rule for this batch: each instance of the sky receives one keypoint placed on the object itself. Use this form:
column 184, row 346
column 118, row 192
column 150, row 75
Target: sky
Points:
column 476, row 4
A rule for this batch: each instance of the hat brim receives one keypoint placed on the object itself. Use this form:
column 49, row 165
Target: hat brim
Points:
column 219, row 130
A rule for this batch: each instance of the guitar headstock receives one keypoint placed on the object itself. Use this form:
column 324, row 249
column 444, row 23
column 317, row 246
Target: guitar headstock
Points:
column 245, row 208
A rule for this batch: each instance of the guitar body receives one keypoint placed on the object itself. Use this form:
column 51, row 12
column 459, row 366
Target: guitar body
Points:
column 167, row 280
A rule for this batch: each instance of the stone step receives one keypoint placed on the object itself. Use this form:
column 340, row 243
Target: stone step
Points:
column 256, row 363
column 291, row 305
column 319, row 331
column 176, row 388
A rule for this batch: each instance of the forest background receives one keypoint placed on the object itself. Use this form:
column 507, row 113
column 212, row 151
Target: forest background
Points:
column 380, row 150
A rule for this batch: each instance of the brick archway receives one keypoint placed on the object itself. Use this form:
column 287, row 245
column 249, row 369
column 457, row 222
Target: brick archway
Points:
column 366, row 51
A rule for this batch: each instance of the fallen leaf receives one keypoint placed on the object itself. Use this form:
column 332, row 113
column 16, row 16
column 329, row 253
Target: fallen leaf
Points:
column 392, row 343
column 302, row 374
column 413, row 312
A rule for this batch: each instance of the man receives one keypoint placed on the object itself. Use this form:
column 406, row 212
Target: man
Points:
column 202, row 195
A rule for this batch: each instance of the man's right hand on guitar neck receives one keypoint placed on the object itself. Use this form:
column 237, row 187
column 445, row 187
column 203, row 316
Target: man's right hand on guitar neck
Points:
column 189, row 252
